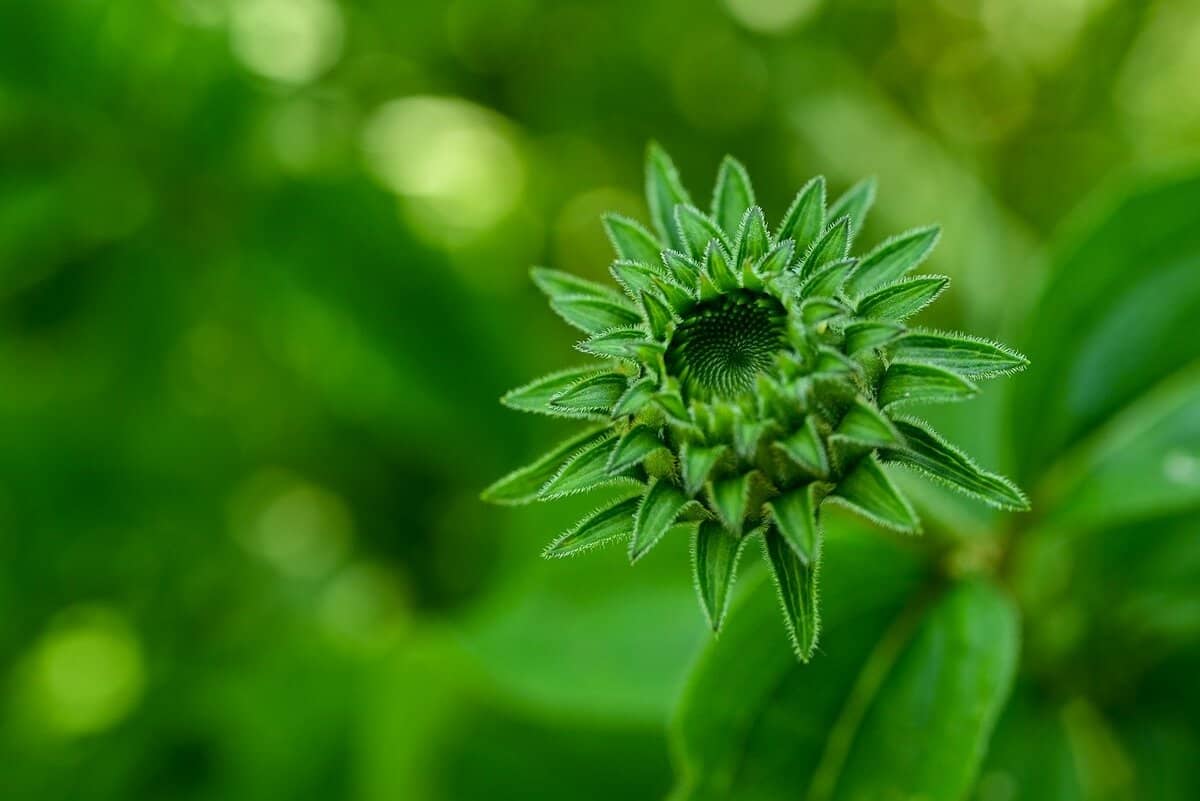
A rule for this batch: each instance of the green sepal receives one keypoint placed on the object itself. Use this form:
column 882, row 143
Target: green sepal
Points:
column 868, row 491
column 796, row 583
column 866, row 334
column 805, row 218
column 593, row 314
column 595, row 394
column 732, row 195
column 522, row 485
column 716, row 265
column 774, row 262
column 697, row 230
column 634, row 276
column 900, row 300
column 753, row 240
column 907, row 382
column 814, row 310
column 557, row 284
column 681, row 267
column 833, row 362
column 834, row 245
column 747, row 433
column 657, row 512
column 715, row 554
column 536, row 395
column 855, row 204
column 828, row 280
column 893, row 259
column 664, row 191
column 621, row 343
column 730, row 499
column 632, row 448
column 696, row 463
column 585, row 471
column 931, row 454
column 795, row 516
column 805, row 448
column 672, row 405
column 659, row 318
column 636, row 397
column 867, row 426
column 679, row 297
column 630, row 240
column 971, row 357
column 602, row 526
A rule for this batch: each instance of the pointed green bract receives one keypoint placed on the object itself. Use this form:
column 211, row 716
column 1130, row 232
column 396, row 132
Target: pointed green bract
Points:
column 595, row 394
column 805, row 219
column 795, row 516
column 536, row 395
column 658, row 510
column 806, row 449
column 776, row 260
column 591, row 314
column 718, row 269
column 601, row 526
column 732, row 195
column 796, row 583
column 696, row 462
column 585, row 471
column 634, row 277
column 697, row 230
column 971, row 357
column 868, row 491
column 892, row 260
column 867, row 334
column 730, row 499
column 753, row 239
column 631, row 241
column 633, row 447
column 925, row 450
column 664, row 191
column 621, row 343
column 902, row 299
column 715, row 554
column 906, row 383
column 557, row 284
column 827, row 281
column 866, row 425
column 659, row 317
column 523, row 485
column 833, row 245
column 854, row 204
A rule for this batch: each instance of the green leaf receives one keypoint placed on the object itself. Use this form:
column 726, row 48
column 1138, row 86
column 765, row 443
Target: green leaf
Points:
column 664, row 192
column 868, row 491
column 730, row 499
column 827, row 281
column 602, row 526
column 927, row 451
column 715, row 554
column 805, row 218
column 805, row 448
column 634, row 277
column 893, row 259
column 536, row 395
column 681, row 268
column 867, row 334
column 657, row 512
column 972, row 357
column 854, row 204
column 928, row 725
column 557, row 284
column 636, row 397
column 521, row 486
column 630, row 240
column 716, row 266
column 697, row 230
column 659, row 317
column 585, row 471
column 814, row 310
column 903, row 299
column 753, row 239
column 778, row 259
column 865, row 425
column 592, row 314
column 796, row 582
column 795, row 515
column 732, row 195
column 834, row 245
column 905, row 383
column 633, row 447
column 679, row 298
column 595, row 394
column 621, row 343
column 696, row 463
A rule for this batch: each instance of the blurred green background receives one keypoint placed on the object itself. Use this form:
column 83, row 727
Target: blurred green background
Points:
column 263, row 275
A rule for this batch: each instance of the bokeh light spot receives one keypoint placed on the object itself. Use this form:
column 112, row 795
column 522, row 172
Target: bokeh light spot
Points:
column 291, row 41
column 300, row 528
column 771, row 16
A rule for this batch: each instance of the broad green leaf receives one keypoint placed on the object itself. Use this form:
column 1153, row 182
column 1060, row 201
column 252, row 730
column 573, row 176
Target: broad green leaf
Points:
column 868, row 491
column 855, row 204
column 595, row 394
column 593, row 314
column 664, row 192
column 972, row 357
column 866, row 334
column 805, row 448
column 633, row 447
column 635, row 277
column 522, row 485
column 715, row 554
column 696, row 462
column 732, row 195
column 865, row 425
column 925, row 450
column 536, row 395
column 795, row 516
column 796, row 581
column 928, row 725
column 749, row 724
column 805, row 218
column 557, row 284
column 906, row 383
column 902, row 299
column 657, row 512
column 585, row 471
column 828, row 280
column 1145, row 463
column 1117, row 316
column 697, row 230
column 608, row 523
column 630, row 240
column 753, row 240
column 834, row 245
column 892, row 260
column 658, row 315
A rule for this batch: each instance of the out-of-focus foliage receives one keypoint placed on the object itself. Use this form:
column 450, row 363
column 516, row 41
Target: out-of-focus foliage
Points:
column 263, row 276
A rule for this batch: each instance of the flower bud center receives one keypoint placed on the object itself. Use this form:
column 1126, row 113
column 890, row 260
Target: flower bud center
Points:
column 722, row 345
